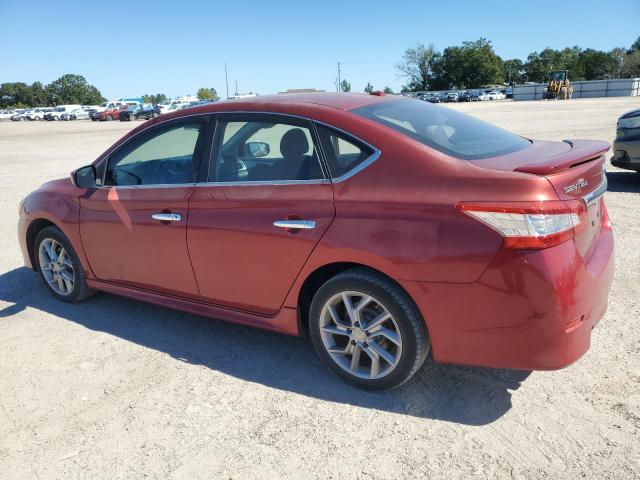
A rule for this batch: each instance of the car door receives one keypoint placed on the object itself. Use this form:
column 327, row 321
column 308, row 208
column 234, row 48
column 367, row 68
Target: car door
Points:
column 133, row 226
column 266, row 204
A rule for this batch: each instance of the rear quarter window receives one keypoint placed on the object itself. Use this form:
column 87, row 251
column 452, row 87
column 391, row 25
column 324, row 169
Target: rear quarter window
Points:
column 445, row 129
column 343, row 153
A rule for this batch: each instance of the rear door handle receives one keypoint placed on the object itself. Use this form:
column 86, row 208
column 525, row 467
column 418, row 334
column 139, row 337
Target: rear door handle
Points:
column 167, row 217
column 295, row 224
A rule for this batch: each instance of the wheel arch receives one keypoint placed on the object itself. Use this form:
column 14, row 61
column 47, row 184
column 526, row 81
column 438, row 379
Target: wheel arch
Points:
column 35, row 227
column 318, row 277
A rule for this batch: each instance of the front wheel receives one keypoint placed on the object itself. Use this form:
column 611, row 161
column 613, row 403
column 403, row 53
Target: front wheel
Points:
column 60, row 267
column 109, row 118
column 367, row 330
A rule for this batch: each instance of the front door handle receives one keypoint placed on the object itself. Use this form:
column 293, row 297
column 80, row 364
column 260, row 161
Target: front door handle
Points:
column 295, row 224
column 167, row 217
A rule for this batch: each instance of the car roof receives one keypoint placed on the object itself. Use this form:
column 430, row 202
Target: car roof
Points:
column 341, row 101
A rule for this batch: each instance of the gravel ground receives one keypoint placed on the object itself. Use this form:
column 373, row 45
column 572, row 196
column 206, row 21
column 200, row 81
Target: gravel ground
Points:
column 113, row 388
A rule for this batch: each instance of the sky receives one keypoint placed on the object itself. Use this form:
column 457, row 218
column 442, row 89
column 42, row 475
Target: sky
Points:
column 129, row 48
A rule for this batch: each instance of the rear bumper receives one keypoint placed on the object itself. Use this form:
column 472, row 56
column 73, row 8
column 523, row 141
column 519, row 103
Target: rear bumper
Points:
column 530, row 310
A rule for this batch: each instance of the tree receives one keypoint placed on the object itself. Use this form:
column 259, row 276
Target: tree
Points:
column 154, row 99
column 207, row 94
column 635, row 47
column 368, row 88
column 387, row 90
column 70, row 89
column 513, row 70
column 38, row 94
column 472, row 65
column 345, row 86
column 416, row 67
column 598, row 65
column 540, row 65
column 16, row 94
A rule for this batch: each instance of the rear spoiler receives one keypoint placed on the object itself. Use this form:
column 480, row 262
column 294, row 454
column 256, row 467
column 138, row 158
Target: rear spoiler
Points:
column 582, row 151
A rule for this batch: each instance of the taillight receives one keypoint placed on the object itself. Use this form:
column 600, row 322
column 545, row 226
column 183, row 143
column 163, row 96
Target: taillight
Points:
column 530, row 224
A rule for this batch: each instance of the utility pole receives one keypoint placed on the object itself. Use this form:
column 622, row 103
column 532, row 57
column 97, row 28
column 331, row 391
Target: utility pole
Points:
column 339, row 86
column 236, row 87
column 226, row 78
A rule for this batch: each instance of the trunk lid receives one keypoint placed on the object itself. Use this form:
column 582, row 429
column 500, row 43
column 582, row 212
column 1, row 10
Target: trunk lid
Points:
column 575, row 169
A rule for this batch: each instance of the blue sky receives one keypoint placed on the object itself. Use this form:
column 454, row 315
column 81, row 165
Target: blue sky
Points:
column 135, row 47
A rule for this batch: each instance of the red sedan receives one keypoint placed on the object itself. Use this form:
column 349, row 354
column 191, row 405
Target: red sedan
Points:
column 111, row 114
column 389, row 228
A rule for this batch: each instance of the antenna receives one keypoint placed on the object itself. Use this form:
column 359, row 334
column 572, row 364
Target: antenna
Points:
column 226, row 78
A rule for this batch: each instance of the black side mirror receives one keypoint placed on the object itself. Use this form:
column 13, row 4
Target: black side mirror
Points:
column 84, row 177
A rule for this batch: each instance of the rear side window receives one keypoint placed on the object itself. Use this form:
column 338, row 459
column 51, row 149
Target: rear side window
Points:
column 445, row 129
column 343, row 153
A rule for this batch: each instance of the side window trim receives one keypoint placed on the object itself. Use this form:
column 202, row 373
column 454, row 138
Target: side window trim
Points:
column 265, row 116
column 198, row 157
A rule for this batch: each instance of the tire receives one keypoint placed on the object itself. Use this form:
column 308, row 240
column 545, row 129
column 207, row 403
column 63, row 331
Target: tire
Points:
column 109, row 118
column 404, row 324
column 71, row 268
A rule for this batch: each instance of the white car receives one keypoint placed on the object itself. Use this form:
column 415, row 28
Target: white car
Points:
column 37, row 113
column 496, row 95
column 171, row 106
column 7, row 114
column 77, row 114
column 57, row 112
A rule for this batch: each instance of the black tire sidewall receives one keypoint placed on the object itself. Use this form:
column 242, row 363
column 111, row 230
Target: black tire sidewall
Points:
column 388, row 294
column 79, row 281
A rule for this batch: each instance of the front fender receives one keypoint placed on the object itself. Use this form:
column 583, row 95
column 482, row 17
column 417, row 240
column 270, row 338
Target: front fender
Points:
column 56, row 202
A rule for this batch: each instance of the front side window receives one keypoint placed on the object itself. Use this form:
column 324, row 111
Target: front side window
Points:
column 445, row 129
column 162, row 157
column 256, row 150
column 343, row 153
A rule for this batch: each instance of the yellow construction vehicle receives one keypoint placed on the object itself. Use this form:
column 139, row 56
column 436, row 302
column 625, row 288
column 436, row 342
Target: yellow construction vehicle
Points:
column 559, row 86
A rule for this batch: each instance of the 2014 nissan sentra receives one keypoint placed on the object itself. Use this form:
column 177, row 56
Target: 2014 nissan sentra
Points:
column 388, row 227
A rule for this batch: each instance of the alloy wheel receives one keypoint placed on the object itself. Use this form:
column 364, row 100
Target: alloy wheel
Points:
column 56, row 266
column 360, row 335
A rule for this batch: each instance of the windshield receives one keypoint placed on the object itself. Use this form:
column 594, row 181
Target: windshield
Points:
column 444, row 129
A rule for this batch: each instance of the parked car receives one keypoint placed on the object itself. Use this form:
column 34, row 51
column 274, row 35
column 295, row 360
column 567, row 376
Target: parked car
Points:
column 7, row 114
column 146, row 112
column 77, row 114
column 626, row 146
column 111, row 105
column 38, row 113
column 496, row 95
column 483, row 247
column 20, row 116
column 111, row 113
column 57, row 112
column 451, row 97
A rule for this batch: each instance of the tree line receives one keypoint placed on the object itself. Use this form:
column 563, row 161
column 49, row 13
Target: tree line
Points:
column 475, row 64
column 68, row 89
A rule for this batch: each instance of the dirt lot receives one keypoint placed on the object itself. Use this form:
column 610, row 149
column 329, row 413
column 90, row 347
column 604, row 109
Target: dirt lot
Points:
column 113, row 388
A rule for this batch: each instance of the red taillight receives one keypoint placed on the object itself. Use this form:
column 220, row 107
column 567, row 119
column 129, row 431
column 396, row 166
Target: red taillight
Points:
column 532, row 225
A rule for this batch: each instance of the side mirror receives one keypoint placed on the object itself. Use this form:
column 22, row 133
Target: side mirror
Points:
column 84, row 177
column 257, row 149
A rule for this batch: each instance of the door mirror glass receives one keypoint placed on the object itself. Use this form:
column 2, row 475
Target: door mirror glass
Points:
column 84, row 177
column 257, row 149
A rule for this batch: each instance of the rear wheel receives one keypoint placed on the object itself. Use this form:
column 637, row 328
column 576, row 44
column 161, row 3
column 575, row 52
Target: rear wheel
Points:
column 60, row 267
column 367, row 331
column 109, row 118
